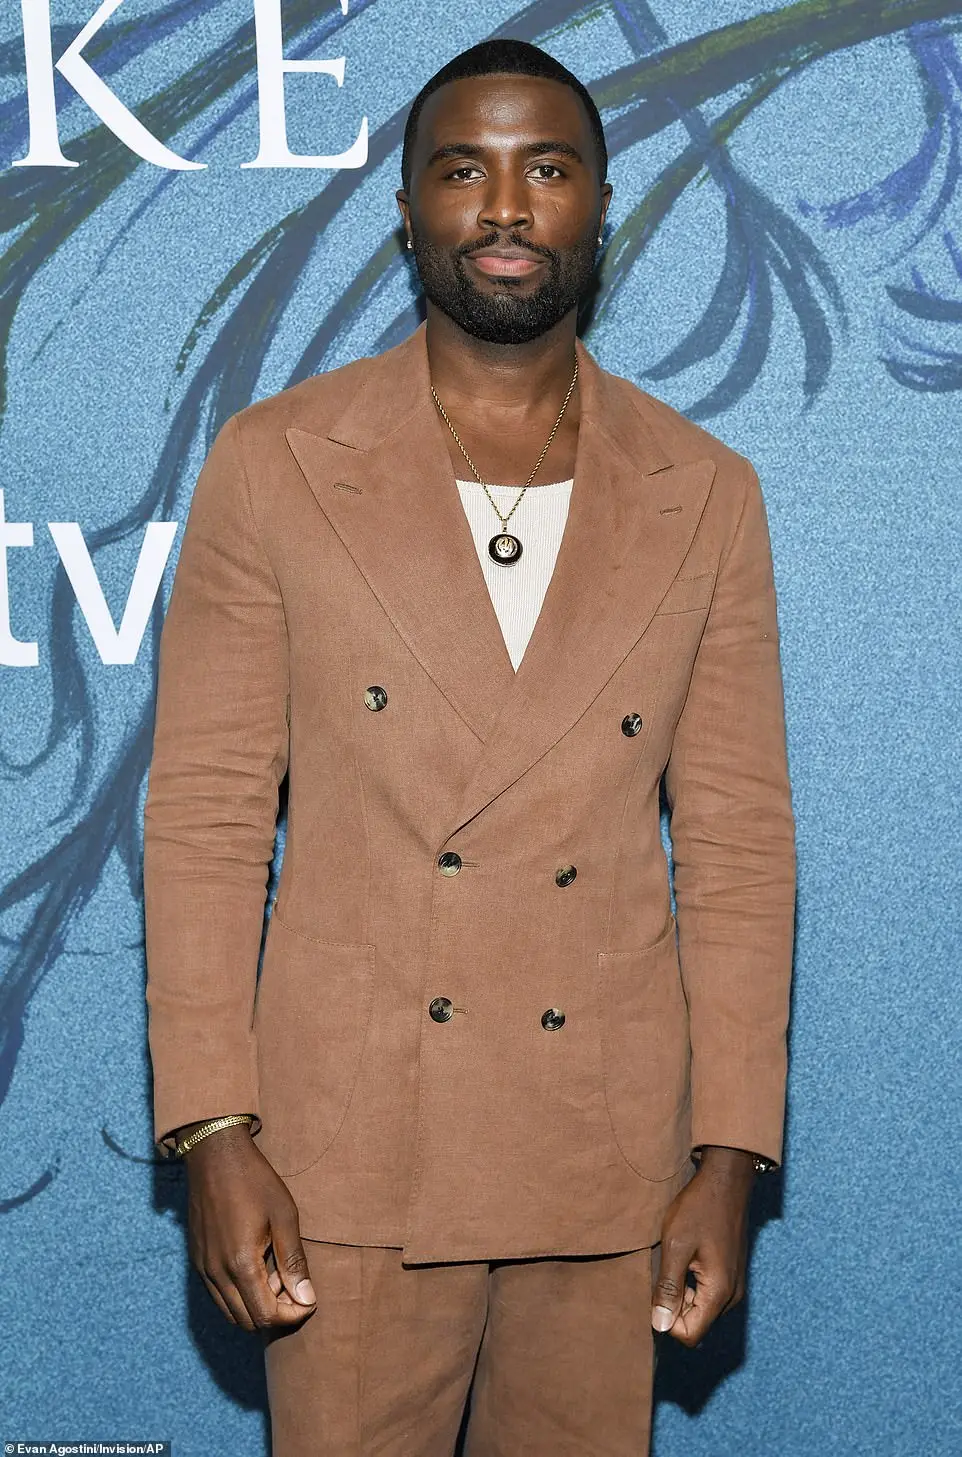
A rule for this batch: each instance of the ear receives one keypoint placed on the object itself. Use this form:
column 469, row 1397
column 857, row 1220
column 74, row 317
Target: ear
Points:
column 607, row 192
column 405, row 210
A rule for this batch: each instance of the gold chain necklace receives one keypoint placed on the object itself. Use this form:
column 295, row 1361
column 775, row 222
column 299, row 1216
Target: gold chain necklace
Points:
column 505, row 548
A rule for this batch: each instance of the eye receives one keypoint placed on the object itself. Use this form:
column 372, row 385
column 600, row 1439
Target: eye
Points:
column 542, row 167
column 458, row 173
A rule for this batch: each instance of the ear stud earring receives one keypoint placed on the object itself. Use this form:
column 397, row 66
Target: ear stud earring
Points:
column 411, row 245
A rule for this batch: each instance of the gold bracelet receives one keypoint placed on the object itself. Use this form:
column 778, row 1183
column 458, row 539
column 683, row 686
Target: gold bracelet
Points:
column 211, row 1126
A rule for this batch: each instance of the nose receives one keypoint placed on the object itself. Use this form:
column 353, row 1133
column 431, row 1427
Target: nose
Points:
column 506, row 203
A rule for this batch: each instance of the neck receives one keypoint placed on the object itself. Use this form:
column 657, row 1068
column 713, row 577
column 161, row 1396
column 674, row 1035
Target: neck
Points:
column 517, row 375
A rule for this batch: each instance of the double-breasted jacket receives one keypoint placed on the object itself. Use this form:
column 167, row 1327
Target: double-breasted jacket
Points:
column 479, row 1028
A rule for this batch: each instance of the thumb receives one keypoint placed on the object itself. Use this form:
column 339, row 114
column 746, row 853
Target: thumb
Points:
column 669, row 1289
column 291, row 1261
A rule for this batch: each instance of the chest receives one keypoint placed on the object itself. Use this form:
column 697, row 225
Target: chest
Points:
column 535, row 519
column 507, row 454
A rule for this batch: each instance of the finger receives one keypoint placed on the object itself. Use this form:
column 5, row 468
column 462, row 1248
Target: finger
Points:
column 217, row 1298
column 233, row 1292
column 669, row 1290
column 709, row 1299
column 291, row 1259
column 738, row 1293
column 273, row 1278
column 196, row 1247
column 249, row 1275
column 286, row 1305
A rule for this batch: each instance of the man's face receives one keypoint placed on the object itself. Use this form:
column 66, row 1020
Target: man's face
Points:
column 505, row 204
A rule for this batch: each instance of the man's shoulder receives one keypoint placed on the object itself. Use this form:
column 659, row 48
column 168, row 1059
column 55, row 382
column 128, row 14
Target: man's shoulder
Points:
column 312, row 404
column 682, row 439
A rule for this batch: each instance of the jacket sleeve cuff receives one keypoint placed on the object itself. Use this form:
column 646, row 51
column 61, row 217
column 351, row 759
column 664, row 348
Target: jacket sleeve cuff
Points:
column 752, row 1135
column 213, row 1093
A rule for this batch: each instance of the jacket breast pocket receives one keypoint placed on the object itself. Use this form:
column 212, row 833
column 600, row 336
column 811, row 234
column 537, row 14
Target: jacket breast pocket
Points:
column 311, row 1014
column 647, row 1056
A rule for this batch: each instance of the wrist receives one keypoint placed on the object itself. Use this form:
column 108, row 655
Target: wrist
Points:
column 228, row 1129
column 735, row 1165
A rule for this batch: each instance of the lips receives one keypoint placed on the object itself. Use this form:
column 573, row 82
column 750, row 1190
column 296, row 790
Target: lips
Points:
column 505, row 264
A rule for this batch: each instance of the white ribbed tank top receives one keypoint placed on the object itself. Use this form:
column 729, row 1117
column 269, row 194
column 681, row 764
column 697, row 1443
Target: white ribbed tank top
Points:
column 518, row 591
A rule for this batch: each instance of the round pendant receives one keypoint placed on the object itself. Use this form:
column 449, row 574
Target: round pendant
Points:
column 504, row 549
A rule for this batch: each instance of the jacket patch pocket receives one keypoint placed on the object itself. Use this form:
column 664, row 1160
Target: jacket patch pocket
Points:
column 646, row 1055
column 311, row 1015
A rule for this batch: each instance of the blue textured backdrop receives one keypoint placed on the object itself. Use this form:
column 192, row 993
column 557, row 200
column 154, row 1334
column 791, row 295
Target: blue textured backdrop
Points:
column 784, row 264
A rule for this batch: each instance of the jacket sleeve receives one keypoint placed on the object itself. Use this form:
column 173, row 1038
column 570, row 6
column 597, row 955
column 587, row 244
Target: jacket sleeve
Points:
column 733, row 841
column 220, row 750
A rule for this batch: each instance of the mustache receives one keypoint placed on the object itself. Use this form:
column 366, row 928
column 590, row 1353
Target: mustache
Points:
column 514, row 240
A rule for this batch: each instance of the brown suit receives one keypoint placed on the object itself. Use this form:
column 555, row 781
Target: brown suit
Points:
column 327, row 552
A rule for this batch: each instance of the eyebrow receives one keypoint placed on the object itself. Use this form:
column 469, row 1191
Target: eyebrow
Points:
column 533, row 149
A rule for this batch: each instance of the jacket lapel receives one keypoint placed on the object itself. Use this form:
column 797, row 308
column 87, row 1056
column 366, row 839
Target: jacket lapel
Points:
column 631, row 519
column 383, row 477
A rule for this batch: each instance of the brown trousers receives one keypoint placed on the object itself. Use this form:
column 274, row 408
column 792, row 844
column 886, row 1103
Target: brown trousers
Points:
column 557, row 1355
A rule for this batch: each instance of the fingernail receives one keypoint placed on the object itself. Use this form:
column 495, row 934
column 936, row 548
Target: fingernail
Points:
column 304, row 1291
column 662, row 1318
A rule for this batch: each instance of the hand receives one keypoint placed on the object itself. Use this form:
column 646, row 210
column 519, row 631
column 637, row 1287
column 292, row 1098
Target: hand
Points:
column 706, row 1231
column 243, row 1233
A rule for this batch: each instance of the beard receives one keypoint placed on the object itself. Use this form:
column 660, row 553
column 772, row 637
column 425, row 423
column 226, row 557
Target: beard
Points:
column 508, row 314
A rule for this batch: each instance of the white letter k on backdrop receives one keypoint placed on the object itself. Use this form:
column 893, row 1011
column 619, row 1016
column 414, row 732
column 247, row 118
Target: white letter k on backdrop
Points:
column 44, row 149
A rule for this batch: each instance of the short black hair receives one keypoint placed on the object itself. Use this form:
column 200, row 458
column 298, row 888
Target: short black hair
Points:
column 502, row 58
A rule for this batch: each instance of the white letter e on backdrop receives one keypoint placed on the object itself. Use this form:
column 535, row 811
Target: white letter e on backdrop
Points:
column 271, row 66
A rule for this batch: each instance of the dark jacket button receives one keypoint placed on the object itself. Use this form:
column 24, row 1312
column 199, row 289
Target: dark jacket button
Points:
column 449, row 863
column 631, row 724
column 565, row 875
column 441, row 1009
column 552, row 1019
column 375, row 698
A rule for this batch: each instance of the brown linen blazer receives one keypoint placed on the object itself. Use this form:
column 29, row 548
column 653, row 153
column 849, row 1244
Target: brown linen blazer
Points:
column 326, row 552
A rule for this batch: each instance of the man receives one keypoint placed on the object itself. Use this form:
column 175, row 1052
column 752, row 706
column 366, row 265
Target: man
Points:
column 477, row 597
